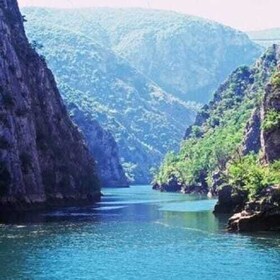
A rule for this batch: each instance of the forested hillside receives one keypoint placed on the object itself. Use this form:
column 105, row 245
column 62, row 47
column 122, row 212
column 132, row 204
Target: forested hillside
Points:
column 145, row 120
column 135, row 71
column 233, row 149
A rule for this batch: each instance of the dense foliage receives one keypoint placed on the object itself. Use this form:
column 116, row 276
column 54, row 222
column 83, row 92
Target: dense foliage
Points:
column 200, row 157
column 272, row 120
column 249, row 174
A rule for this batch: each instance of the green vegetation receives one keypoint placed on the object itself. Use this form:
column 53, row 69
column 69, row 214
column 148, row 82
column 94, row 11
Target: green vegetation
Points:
column 156, row 43
column 200, row 157
column 271, row 120
column 247, row 173
column 275, row 80
column 96, row 84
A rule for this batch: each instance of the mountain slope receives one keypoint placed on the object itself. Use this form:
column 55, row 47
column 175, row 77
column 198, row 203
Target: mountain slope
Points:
column 91, row 53
column 43, row 158
column 185, row 55
column 144, row 120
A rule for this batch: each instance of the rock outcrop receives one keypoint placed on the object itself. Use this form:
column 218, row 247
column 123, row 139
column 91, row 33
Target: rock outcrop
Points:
column 252, row 138
column 172, row 186
column 43, row 157
column 262, row 214
column 230, row 200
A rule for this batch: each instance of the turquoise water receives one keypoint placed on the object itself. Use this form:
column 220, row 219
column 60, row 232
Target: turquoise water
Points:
column 132, row 234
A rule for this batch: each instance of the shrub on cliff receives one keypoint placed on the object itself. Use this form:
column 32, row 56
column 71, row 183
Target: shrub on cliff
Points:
column 271, row 120
column 275, row 80
column 247, row 173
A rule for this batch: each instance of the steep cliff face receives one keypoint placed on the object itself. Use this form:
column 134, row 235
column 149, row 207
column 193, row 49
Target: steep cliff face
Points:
column 43, row 158
column 270, row 134
column 104, row 148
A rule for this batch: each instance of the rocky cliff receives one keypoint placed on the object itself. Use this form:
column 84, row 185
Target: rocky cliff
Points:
column 270, row 114
column 43, row 158
column 252, row 135
column 233, row 148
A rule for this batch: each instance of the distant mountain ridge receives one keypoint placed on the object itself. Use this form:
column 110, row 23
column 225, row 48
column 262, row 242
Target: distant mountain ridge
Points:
column 199, row 53
column 265, row 37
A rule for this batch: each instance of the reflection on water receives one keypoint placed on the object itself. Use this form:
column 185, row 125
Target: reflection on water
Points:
column 132, row 234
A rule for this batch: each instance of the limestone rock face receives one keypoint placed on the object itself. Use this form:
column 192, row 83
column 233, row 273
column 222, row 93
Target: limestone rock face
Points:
column 43, row 158
column 271, row 137
column 252, row 138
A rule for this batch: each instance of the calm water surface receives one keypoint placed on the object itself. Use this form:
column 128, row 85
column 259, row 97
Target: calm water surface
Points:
column 132, row 234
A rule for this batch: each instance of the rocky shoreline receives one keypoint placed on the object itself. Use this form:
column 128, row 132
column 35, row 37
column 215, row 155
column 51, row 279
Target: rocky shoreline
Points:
column 261, row 214
column 174, row 186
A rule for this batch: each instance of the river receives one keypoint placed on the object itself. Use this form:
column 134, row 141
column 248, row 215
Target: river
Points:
column 135, row 233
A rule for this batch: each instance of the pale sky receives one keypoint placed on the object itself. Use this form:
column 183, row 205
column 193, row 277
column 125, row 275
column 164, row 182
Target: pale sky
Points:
column 240, row 14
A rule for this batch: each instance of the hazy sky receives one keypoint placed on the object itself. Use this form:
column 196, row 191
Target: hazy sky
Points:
column 241, row 14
